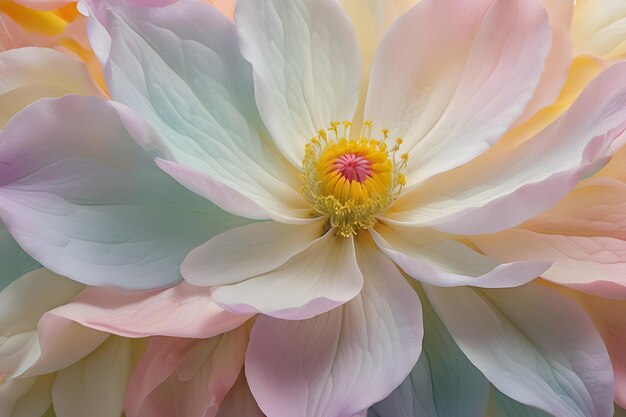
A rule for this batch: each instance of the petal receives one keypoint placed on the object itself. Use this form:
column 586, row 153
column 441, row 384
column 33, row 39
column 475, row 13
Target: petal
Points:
column 180, row 311
column 454, row 96
column 185, row 377
column 534, row 345
column 180, row 67
column 44, row 291
column 502, row 406
column 246, row 252
column 339, row 363
column 371, row 19
column 588, row 263
column 96, row 385
column 437, row 259
column 557, row 62
column 239, row 401
column 60, row 343
column 97, row 211
column 29, row 74
column 599, row 28
column 34, row 345
column 583, row 235
column 306, row 63
column 320, row 278
column 608, row 316
column 505, row 187
column 443, row 383
column 26, row 397
column 15, row 262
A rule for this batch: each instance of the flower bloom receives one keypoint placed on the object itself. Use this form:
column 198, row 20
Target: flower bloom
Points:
column 233, row 153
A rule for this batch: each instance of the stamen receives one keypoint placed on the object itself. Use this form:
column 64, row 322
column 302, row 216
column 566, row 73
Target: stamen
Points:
column 352, row 181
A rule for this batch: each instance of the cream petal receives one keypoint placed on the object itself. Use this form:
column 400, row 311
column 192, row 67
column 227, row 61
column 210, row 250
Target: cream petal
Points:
column 306, row 64
column 320, row 278
column 247, row 252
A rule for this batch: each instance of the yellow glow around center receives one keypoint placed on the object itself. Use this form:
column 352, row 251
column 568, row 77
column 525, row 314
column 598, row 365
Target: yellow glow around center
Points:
column 351, row 204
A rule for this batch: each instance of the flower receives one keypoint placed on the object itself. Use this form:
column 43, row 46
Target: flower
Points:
column 215, row 126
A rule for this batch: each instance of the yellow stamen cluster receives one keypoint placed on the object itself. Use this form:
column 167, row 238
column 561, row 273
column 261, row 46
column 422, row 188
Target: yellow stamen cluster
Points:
column 351, row 204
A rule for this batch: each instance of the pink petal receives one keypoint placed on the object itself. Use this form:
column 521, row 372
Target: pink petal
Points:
column 181, row 311
column 239, row 401
column 609, row 318
column 451, row 95
column 341, row 362
column 502, row 188
column 185, row 377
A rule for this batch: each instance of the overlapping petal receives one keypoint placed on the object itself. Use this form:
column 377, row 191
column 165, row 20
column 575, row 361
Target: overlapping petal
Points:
column 247, row 252
column 502, row 406
column 339, row 363
column 307, row 67
column 438, row 259
column 180, row 68
column 239, row 401
column 453, row 96
column 443, row 383
column 98, row 211
column 96, row 385
column 321, row 277
column 15, row 262
column 533, row 344
column 29, row 74
column 179, row 311
column 599, row 28
column 502, row 188
column 583, row 235
column 185, row 377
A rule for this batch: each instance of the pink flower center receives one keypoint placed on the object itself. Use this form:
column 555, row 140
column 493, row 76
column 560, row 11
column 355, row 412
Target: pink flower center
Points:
column 353, row 167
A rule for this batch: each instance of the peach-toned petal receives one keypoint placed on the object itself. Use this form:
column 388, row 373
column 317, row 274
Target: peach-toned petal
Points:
column 599, row 28
column 185, row 377
column 181, row 311
column 29, row 74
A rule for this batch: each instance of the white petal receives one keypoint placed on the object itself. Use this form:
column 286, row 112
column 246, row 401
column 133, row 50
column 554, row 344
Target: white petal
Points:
column 437, row 259
column 533, row 344
column 246, row 252
column 306, row 63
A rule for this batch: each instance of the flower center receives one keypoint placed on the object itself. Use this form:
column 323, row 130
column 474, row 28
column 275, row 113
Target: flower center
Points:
column 352, row 181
